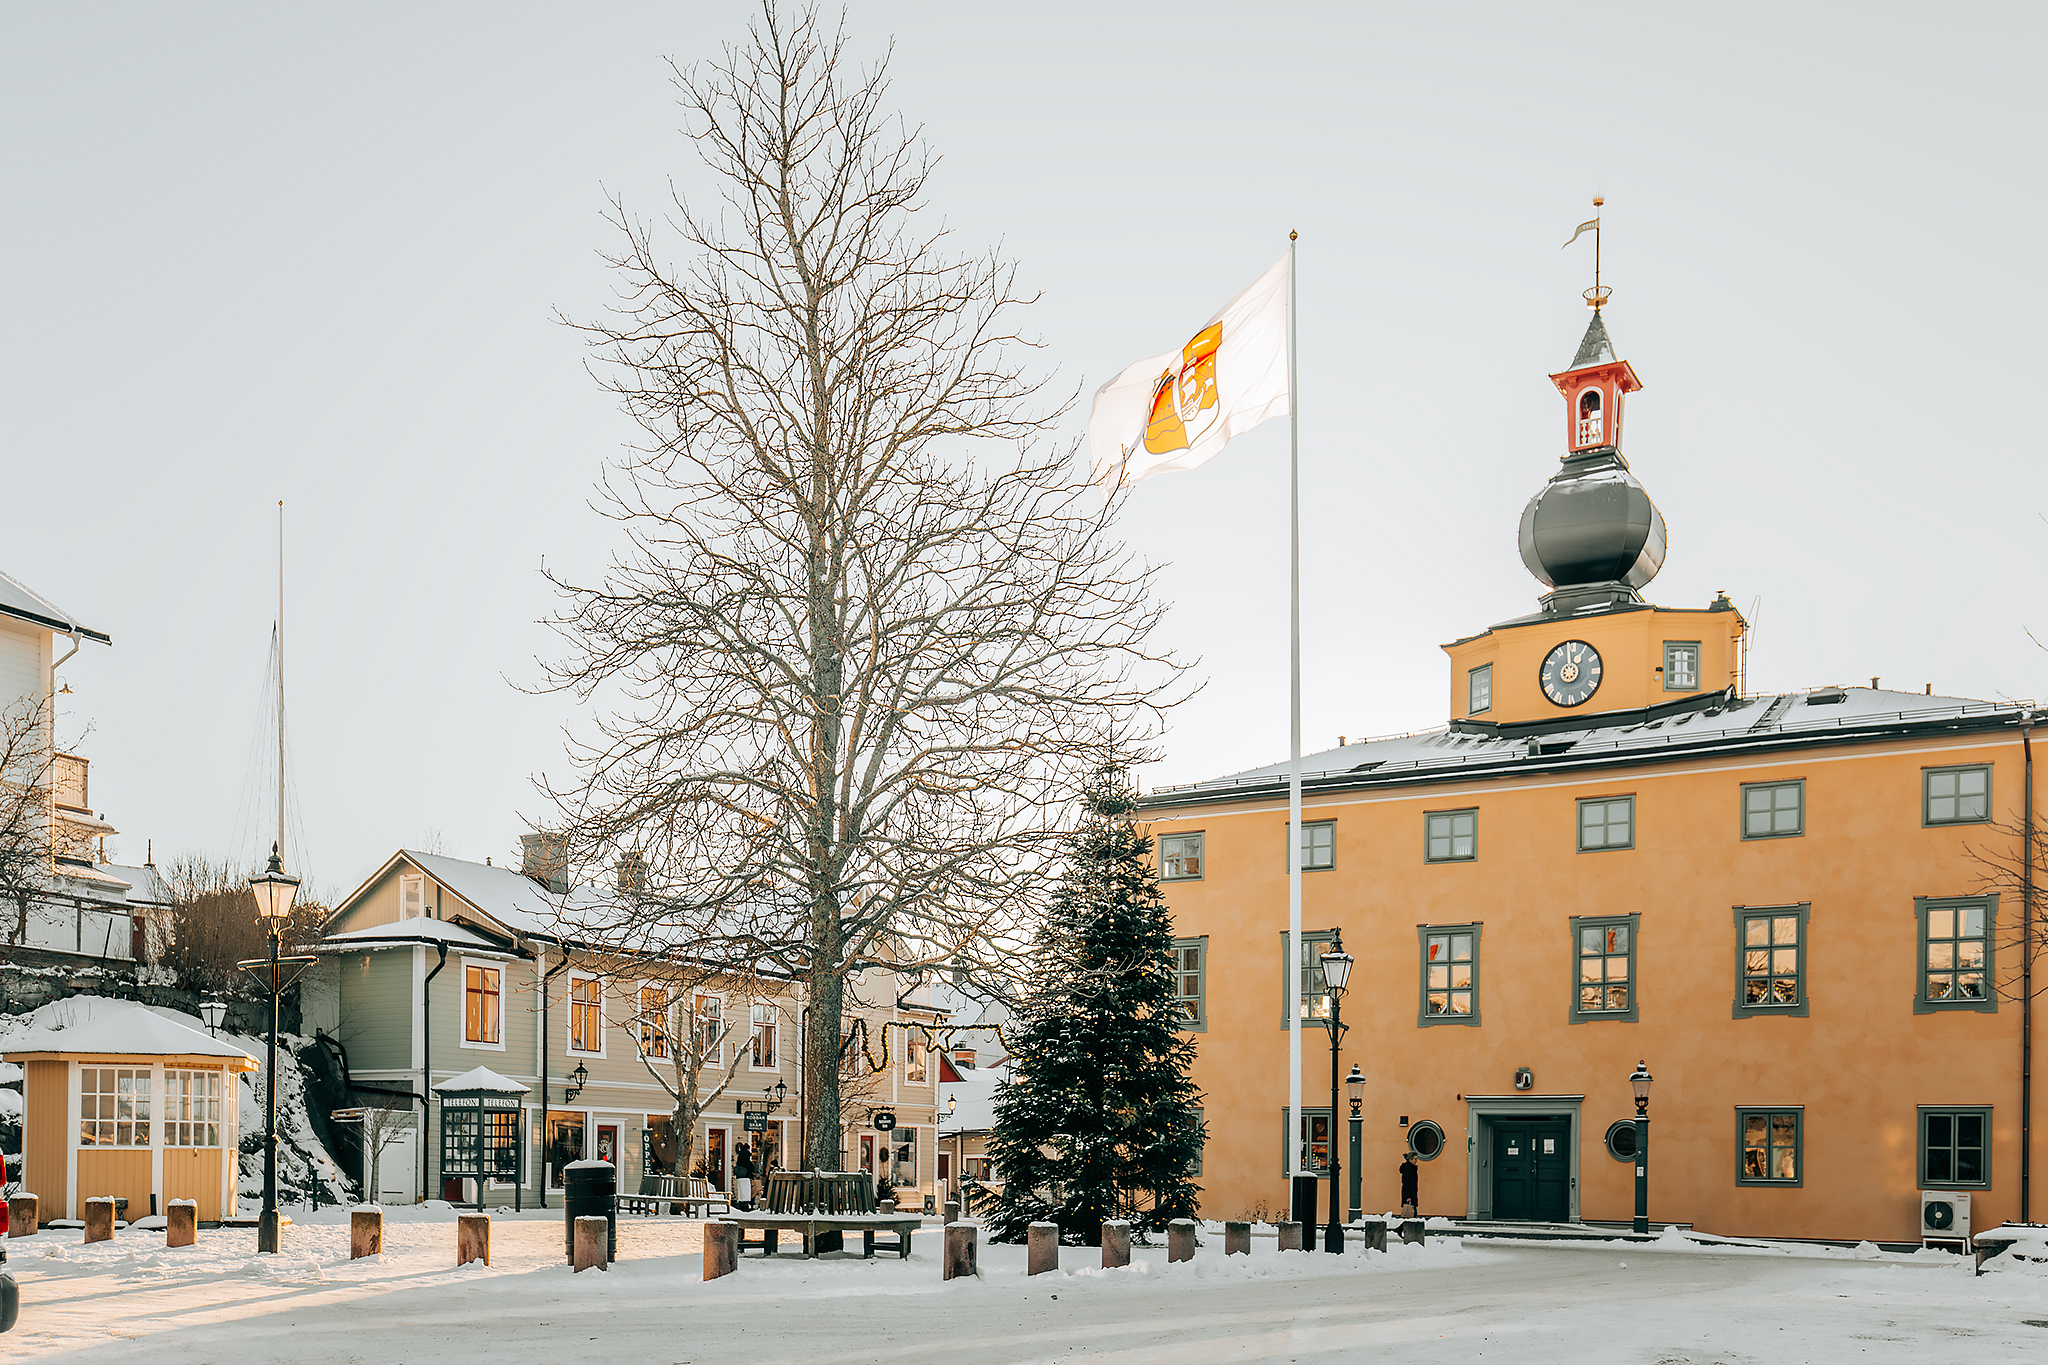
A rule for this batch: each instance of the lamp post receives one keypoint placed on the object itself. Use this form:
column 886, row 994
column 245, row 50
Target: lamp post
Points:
column 274, row 895
column 1354, row 1090
column 211, row 1013
column 1336, row 972
column 1640, row 1079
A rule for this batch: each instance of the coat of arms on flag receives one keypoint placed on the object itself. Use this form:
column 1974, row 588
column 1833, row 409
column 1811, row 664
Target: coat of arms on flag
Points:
column 1174, row 411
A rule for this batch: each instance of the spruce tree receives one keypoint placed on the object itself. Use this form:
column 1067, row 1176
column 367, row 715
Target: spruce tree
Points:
column 1097, row 1118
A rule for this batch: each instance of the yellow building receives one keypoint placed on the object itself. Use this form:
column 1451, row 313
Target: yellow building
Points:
column 121, row 1100
column 1806, row 912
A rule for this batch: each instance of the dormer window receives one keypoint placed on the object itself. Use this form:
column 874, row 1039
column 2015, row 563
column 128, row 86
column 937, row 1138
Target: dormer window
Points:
column 1592, row 424
column 412, row 897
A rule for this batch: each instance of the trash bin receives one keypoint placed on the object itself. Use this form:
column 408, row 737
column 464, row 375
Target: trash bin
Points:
column 587, row 1190
column 1303, row 1209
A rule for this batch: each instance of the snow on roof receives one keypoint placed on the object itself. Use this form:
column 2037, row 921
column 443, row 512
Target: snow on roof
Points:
column 1441, row 753
column 481, row 1078
column 508, row 896
column 976, row 1091
column 145, row 883
column 19, row 600
column 94, row 1024
column 419, row 929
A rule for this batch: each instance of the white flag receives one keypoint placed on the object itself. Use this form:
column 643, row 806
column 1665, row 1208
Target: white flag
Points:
column 1174, row 411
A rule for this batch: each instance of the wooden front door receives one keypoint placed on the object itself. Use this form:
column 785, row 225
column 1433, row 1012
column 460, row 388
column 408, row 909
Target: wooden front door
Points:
column 1532, row 1169
column 714, row 1156
column 608, row 1143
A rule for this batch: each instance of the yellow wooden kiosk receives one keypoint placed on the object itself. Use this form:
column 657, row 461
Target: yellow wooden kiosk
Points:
column 123, row 1100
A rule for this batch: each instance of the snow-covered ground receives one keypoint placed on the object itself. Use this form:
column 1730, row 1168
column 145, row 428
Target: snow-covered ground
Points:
column 1670, row 1302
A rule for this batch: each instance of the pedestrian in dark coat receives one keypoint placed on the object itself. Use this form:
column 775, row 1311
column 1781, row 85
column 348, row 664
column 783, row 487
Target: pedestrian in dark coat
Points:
column 743, row 1177
column 1411, row 1175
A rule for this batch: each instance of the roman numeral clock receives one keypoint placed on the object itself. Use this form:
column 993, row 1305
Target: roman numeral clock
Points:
column 1571, row 673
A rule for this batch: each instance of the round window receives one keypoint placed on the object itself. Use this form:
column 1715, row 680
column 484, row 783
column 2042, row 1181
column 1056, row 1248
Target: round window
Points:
column 1621, row 1140
column 1426, row 1140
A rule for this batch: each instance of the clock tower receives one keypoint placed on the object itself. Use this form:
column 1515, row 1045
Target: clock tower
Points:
column 1595, row 653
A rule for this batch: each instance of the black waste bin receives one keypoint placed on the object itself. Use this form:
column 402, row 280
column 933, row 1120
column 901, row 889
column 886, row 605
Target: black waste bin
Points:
column 587, row 1190
column 1304, row 1210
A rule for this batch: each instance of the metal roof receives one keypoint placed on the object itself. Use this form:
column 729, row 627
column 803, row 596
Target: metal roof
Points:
column 24, row 603
column 1822, row 715
column 1594, row 347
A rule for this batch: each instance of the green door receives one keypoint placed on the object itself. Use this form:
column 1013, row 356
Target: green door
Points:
column 1532, row 1169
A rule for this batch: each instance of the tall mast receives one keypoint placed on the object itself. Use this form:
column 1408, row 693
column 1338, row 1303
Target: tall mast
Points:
column 280, row 677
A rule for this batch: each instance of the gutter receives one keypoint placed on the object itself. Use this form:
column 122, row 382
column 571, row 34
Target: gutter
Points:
column 2027, row 973
column 427, row 1054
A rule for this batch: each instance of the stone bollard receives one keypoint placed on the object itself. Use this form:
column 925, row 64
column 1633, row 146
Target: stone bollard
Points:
column 181, row 1222
column 1290, row 1236
column 721, row 1248
column 1375, row 1233
column 1237, row 1239
column 473, row 1238
column 591, row 1242
column 952, row 1211
column 21, row 1215
column 1180, row 1240
column 365, row 1232
column 1043, row 1253
column 1116, row 1243
column 1411, row 1230
column 99, row 1218
column 963, row 1250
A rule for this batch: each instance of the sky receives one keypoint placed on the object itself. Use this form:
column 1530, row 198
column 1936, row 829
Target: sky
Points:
column 259, row 253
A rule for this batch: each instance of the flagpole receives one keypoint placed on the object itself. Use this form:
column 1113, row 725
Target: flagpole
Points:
column 1294, row 1116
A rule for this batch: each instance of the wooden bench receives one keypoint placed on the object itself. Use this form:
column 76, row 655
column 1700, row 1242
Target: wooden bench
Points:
column 822, row 1232
column 662, row 1193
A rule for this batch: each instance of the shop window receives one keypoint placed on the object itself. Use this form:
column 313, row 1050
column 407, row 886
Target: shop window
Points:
column 114, row 1108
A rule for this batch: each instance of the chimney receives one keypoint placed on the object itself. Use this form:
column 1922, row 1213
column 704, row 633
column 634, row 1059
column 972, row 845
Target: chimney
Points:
column 963, row 1057
column 545, row 858
column 633, row 872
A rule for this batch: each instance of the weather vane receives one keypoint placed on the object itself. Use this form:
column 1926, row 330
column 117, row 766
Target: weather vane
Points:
column 1599, row 293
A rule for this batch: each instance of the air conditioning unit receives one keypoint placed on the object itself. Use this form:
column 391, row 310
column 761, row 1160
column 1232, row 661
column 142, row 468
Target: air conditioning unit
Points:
column 1944, row 1216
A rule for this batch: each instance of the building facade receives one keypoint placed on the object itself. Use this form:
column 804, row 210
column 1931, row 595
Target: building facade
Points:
column 1811, row 914
column 435, row 966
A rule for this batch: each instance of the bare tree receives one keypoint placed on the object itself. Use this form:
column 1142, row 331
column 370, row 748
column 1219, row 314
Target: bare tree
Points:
column 382, row 1126
column 28, row 815
column 214, row 924
column 685, row 1036
column 869, row 629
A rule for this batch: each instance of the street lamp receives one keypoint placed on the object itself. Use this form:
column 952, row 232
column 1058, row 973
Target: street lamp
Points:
column 1640, row 1079
column 1336, row 973
column 578, row 1078
column 959, row 1146
column 274, row 895
column 1354, row 1090
column 211, row 1013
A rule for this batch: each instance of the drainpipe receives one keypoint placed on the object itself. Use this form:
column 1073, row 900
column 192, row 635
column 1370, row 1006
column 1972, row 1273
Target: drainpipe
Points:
column 2027, row 974
column 427, row 1055
column 547, row 973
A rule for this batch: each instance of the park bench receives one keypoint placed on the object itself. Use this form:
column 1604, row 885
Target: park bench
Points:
column 667, row 1193
column 821, row 1207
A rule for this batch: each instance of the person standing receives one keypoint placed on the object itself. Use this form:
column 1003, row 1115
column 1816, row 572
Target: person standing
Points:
column 1411, row 1175
column 743, row 1178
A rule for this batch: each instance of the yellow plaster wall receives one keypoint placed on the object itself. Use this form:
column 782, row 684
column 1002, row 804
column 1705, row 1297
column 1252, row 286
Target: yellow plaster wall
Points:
column 1631, row 647
column 1860, row 1063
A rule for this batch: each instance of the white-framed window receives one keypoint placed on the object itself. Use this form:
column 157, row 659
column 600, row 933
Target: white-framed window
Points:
column 653, row 1019
column 586, row 1015
column 412, row 897
column 1180, row 857
column 1479, row 690
column 191, row 1108
column 483, row 988
column 114, row 1108
column 917, row 1065
column 765, row 1017
column 710, row 1025
column 1681, row 665
column 1592, row 427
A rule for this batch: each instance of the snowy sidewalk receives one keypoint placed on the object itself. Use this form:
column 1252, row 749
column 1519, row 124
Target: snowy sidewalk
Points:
column 133, row 1300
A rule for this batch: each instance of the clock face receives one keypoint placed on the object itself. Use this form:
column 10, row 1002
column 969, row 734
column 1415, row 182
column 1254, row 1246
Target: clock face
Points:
column 1571, row 673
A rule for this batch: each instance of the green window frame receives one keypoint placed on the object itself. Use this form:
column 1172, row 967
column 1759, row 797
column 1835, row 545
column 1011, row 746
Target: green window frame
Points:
column 1180, row 857
column 1958, row 936
column 1770, row 1145
column 1774, row 810
column 1770, row 960
column 1318, row 845
column 1315, row 1000
column 1318, row 1130
column 1606, row 822
column 1681, row 665
column 1191, row 982
column 1604, row 980
column 1195, row 1162
column 1955, row 1146
column 1956, row 795
column 1479, row 690
column 1450, row 974
column 1450, row 836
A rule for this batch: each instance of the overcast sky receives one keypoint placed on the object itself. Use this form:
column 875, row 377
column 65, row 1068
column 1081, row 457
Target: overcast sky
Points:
column 262, row 252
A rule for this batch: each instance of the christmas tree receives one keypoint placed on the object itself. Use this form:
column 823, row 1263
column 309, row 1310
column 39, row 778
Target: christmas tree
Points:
column 1097, row 1118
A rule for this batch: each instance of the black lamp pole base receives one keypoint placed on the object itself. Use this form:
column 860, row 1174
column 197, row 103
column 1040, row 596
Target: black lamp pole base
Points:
column 267, row 1231
column 1333, row 1237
